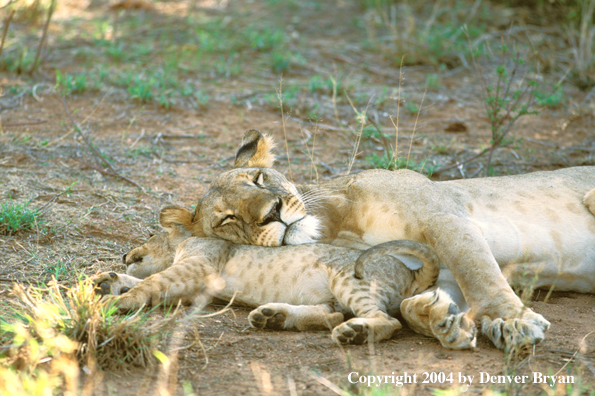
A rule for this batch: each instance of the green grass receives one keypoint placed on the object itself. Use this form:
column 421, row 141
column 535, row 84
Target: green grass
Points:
column 17, row 217
column 386, row 162
column 555, row 98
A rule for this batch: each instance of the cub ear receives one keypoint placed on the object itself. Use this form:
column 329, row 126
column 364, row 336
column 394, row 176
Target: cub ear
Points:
column 256, row 151
column 172, row 217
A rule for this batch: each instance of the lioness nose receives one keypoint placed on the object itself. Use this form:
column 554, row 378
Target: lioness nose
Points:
column 124, row 258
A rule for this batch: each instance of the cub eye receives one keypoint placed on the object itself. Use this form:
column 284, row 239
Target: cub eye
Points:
column 227, row 219
column 259, row 179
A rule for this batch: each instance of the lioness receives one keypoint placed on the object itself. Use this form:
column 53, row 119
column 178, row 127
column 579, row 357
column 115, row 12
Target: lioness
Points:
column 540, row 223
column 294, row 287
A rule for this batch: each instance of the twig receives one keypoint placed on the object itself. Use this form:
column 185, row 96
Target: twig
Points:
column 8, row 280
column 43, row 36
column 461, row 163
column 14, row 124
column 48, row 203
column 167, row 136
column 280, row 95
column 385, row 142
column 414, row 127
column 5, row 30
column 110, row 173
column 97, row 154
column 370, row 69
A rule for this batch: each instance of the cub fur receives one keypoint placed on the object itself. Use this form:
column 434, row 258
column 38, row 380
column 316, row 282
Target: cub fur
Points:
column 487, row 232
column 293, row 287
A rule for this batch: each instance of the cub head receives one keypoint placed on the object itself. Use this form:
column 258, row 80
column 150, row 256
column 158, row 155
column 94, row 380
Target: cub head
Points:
column 158, row 252
column 254, row 204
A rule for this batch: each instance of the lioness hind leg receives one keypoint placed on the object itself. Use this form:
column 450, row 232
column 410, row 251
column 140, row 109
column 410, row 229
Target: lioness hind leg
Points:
column 529, row 329
column 435, row 314
column 281, row 316
column 111, row 283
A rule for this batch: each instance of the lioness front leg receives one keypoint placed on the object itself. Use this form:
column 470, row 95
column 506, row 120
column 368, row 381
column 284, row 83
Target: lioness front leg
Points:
column 465, row 251
column 435, row 314
column 281, row 316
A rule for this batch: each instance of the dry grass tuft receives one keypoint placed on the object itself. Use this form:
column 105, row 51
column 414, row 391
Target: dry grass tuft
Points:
column 45, row 320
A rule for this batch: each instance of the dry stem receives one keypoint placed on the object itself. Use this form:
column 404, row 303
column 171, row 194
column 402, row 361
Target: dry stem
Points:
column 280, row 96
column 43, row 36
column 5, row 30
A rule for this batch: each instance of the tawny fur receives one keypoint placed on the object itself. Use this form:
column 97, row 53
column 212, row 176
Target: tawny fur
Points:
column 488, row 232
column 294, row 287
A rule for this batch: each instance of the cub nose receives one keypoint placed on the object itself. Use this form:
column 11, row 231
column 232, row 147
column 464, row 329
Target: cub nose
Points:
column 103, row 289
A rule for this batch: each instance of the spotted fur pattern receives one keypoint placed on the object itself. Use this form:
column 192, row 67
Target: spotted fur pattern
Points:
column 298, row 287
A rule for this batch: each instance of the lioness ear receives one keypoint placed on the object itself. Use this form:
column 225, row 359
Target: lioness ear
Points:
column 256, row 151
column 175, row 216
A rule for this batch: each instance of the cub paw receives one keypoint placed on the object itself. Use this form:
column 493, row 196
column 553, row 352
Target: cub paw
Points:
column 265, row 317
column 454, row 329
column 111, row 283
column 436, row 315
column 529, row 329
column 351, row 332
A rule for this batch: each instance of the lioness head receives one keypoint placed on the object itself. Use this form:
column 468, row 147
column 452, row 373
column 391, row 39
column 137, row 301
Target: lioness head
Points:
column 158, row 252
column 254, row 204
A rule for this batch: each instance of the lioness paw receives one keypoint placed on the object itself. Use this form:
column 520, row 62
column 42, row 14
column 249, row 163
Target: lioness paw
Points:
column 354, row 331
column 529, row 329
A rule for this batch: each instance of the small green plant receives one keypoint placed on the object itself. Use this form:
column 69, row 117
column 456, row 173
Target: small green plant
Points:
column 19, row 61
column 389, row 163
column 16, row 217
column 68, row 84
column 411, row 107
column 507, row 100
column 280, row 61
column 60, row 270
column 432, row 81
column 140, row 89
column 552, row 99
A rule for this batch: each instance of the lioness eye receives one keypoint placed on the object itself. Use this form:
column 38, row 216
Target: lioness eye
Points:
column 227, row 219
column 259, row 179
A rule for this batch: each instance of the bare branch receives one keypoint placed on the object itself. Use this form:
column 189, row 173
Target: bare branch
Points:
column 5, row 30
column 43, row 36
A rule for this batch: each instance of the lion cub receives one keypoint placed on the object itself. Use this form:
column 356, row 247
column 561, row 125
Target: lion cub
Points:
column 301, row 287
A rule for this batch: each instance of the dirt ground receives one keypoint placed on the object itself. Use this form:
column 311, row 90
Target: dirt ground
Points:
column 91, row 218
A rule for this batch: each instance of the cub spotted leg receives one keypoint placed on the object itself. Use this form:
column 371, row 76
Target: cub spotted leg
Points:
column 184, row 281
column 371, row 323
column 281, row 316
column 435, row 314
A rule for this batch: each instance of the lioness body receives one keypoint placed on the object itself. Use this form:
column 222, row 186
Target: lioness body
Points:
column 534, row 223
column 537, row 224
column 294, row 287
